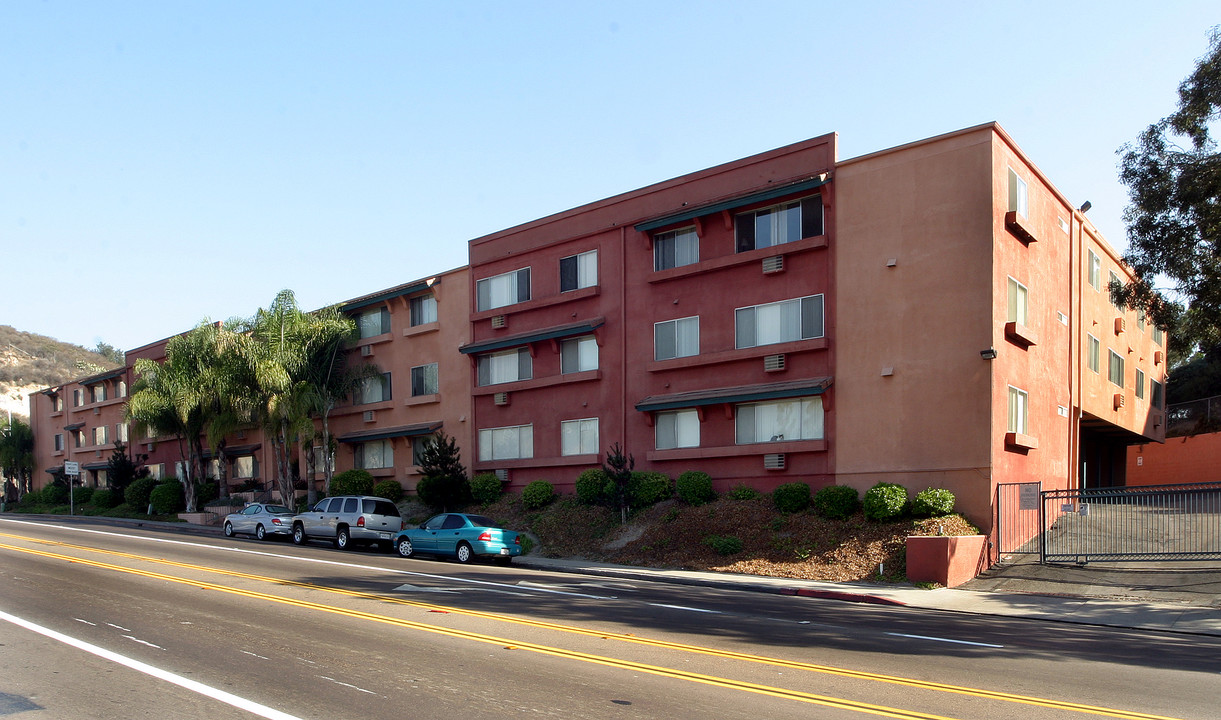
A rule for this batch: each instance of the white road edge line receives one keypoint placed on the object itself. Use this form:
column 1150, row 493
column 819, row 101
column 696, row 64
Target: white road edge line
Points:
column 683, row 607
column 192, row 685
column 300, row 559
column 937, row 639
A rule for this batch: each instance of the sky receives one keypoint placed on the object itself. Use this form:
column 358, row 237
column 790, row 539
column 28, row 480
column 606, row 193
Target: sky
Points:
column 165, row 163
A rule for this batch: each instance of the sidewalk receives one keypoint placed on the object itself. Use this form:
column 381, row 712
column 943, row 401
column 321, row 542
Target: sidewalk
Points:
column 1174, row 597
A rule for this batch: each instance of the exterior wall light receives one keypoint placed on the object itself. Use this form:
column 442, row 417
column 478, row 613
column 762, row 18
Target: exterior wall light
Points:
column 989, row 354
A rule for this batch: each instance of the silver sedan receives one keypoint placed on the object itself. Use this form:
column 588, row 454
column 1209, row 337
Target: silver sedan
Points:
column 260, row 520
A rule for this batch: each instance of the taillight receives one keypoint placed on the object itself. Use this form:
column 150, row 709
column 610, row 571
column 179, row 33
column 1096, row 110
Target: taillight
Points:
column 277, row 521
column 403, row 525
column 485, row 537
column 360, row 522
column 517, row 540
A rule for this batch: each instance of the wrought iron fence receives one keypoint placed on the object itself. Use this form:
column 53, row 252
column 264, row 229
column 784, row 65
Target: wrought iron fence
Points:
column 1165, row 522
column 1197, row 416
column 1017, row 518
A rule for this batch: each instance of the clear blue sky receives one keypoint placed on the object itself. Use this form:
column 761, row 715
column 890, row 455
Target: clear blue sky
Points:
column 165, row 162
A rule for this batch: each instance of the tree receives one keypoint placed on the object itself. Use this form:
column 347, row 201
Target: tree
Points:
column 122, row 469
column 1173, row 176
column 444, row 483
column 110, row 352
column 619, row 469
column 16, row 457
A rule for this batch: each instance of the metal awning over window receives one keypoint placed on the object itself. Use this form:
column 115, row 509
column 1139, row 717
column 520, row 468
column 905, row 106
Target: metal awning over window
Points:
column 96, row 466
column 551, row 333
column 392, row 432
column 737, row 394
column 741, row 201
column 74, row 426
column 233, row 451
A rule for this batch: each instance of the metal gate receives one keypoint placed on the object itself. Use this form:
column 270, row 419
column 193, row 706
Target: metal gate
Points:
column 1017, row 518
column 1163, row 522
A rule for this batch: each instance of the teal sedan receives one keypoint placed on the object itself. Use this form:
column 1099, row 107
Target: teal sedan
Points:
column 460, row 536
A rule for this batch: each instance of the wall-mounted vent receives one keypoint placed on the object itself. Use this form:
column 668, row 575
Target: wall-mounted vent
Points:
column 499, row 321
column 368, row 416
column 773, row 363
column 1120, row 325
column 773, row 461
column 366, row 350
column 502, row 475
column 1119, row 400
column 241, row 434
column 1157, row 357
column 773, row 264
column 97, row 411
column 501, row 398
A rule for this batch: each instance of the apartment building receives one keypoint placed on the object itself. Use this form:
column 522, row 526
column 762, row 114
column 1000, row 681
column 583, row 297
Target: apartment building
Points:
column 79, row 422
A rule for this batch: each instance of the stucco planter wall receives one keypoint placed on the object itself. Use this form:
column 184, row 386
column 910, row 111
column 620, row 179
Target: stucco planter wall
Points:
column 200, row 518
column 947, row 560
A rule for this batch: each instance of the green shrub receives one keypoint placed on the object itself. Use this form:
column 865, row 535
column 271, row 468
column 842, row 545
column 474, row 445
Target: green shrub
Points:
column 837, row 501
column 356, row 481
column 933, row 502
column 885, row 501
column 81, row 495
column 537, row 494
column 648, row 488
column 55, row 494
column 168, row 498
column 791, row 497
column 744, row 492
column 724, row 544
column 138, row 492
column 206, row 492
column 695, row 487
column 390, row 489
column 486, row 488
column 105, row 499
column 594, row 487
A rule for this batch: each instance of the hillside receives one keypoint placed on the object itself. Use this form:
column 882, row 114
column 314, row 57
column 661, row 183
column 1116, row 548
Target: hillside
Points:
column 31, row 362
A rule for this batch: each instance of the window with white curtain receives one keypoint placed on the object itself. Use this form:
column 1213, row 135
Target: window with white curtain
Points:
column 98, row 393
column 120, row 432
column 99, row 435
column 579, row 271
column 676, row 338
column 424, row 380
column 779, row 224
column 374, row 389
column 1017, row 193
column 1094, row 271
column 676, row 248
column 1092, row 352
column 507, row 366
column 504, row 289
column 374, row 454
column 780, row 421
column 1140, row 383
column 1018, row 401
column 579, row 354
column 373, row 323
column 1115, row 368
column 244, row 466
column 1017, row 302
column 423, row 309
column 579, row 437
column 506, row 443
column 677, row 429
column 778, row 322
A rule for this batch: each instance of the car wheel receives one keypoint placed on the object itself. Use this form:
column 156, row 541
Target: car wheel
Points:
column 343, row 539
column 464, row 553
column 299, row 534
column 228, row 529
column 260, row 533
column 404, row 547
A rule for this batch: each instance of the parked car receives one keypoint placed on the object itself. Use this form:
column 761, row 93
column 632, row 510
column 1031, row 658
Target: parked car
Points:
column 347, row 519
column 462, row 537
column 260, row 520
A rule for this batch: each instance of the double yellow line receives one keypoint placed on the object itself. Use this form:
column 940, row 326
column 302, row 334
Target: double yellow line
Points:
column 823, row 700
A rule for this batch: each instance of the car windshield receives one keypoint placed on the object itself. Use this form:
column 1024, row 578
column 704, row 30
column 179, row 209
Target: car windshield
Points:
column 481, row 521
column 278, row 509
column 380, row 507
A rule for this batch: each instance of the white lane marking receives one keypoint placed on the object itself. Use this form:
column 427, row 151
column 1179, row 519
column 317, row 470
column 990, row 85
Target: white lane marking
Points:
column 451, row 578
column 247, row 652
column 143, row 642
column 541, row 587
column 119, row 627
column 421, row 589
column 692, row 609
column 324, row 677
column 192, row 685
column 946, row 640
column 85, row 621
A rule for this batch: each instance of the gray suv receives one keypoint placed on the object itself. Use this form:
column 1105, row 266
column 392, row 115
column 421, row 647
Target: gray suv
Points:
column 347, row 519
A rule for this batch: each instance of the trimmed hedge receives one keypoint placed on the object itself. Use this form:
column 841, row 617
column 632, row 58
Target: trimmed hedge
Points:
column 168, row 498
column 837, row 501
column 538, row 494
column 352, row 482
column 791, row 497
column 138, row 492
column 694, row 487
column 885, row 501
column 82, row 495
column 486, row 488
column 933, row 502
column 392, row 490
column 648, row 488
column 105, row 499
column 594, row 487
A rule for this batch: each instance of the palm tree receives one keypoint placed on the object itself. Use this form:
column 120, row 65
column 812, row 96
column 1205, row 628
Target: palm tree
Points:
column 16, row 456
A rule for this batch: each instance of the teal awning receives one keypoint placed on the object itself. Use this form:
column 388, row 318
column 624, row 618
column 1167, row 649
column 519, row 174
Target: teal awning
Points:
column 737, row 394
column 384, row 295
column 737, row 202
column 524, row 338
column 391, row 432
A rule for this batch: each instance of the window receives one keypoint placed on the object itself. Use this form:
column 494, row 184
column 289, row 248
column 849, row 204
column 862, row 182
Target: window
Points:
column 797, row 419
column 1140, row 383
column 245, row 466
column 579, row 437
column 1017, row 303
column 78, row 438
column 373, row 323
column 120, row 432
column 424, row 380
column 675, row 249
column 78, row 398
column 1114, row 281
column 423, row 309
column 1092, row 351
column 1017, row 193
column 1018, row 400
column 579, row 271
column 59, row 442
column 122, row 388
column 57, row 403
column 97, row 393
column 779, row 224
column 676, row 338
column 1157, row 335
column 786, row 321
column 1155, row 391
column 503, row 367
column 156, row 470
column 99, row 435
column 500, row 290
column 1140, row 319
column 102, row 477
column 506, row 443
column 374, row 455
column 374, row 389
column 417, row 448
column 677, row 429
column 579, row 354
column 1095, row 271
column 1115, row 368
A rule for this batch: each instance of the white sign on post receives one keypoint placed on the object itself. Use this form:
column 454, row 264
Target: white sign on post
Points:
column 72, row 467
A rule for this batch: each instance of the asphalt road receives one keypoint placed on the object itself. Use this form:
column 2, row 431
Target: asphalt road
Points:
column 129, row 623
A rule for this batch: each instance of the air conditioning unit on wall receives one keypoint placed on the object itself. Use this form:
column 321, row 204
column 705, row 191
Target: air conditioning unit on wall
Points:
column 773, row 461
column 773, row 264
column 366, row 350
column 500, row 398
column 499, row 321
column 1119, row 400
column 368, row 416
column 773, row 363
